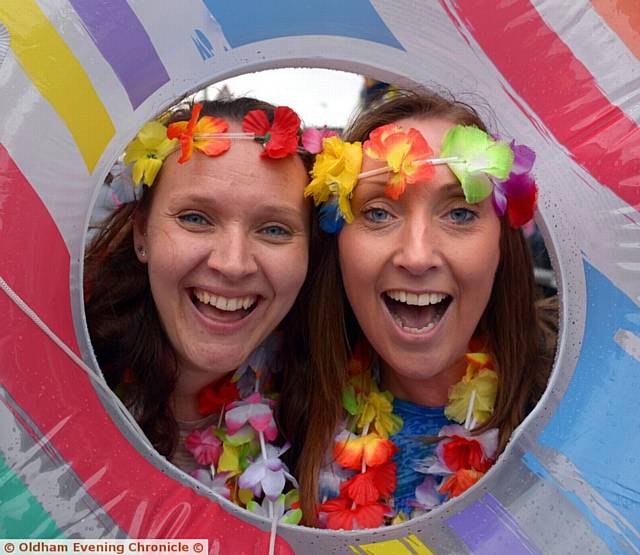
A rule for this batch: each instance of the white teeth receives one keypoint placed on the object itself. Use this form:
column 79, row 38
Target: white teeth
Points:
column 422, row 299
column 224, row 303
column 427, row 327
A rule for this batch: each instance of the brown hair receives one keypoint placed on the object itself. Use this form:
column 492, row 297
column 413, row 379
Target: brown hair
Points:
column 125, row 329
column 511, row 323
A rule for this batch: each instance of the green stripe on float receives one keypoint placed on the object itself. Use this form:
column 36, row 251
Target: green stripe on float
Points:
column 21, row 515
column 59, row 76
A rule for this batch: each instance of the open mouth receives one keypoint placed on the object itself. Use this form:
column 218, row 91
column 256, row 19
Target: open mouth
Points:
column 227, row 309
column 416, row 312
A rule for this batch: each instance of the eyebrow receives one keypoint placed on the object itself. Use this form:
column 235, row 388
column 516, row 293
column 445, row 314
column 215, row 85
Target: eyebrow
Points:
column 453, row 189
column 266, row 209
column 281, row 210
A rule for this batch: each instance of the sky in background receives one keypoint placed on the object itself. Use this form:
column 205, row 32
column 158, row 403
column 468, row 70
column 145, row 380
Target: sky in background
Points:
column 319, row 96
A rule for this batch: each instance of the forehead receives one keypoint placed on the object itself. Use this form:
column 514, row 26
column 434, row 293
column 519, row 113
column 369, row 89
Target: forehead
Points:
column 432, row 129
column 238, row 172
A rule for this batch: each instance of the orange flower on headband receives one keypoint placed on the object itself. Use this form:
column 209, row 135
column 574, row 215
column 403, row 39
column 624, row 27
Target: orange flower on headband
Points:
column 187, row 133
column 279, row 138
column 399, row 150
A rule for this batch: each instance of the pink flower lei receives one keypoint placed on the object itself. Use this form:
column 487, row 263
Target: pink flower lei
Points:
column 362, row 469
column 238, row 457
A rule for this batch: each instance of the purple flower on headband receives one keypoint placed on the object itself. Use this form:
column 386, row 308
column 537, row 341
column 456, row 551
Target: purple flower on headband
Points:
column 523, row 158
column 516, row 195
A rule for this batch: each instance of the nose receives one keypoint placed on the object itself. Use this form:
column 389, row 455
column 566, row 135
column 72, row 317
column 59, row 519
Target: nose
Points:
column 232, row 254
column 420, row 248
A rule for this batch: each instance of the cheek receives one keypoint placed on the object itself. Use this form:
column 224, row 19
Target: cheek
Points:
column 347, row 246
column 286, row 271
column 166, row 262
column 479, row 268
column 359, row 270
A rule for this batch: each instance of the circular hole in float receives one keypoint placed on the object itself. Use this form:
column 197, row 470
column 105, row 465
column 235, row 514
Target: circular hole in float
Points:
column 264, row 86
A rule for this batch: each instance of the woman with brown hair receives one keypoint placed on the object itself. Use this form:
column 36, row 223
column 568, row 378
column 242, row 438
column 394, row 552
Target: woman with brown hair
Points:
column 428, row 348
column 186, row 285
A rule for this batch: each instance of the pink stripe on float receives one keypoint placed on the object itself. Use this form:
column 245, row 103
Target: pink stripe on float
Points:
column 50, row 388
column 556, row 85
column 623, row 16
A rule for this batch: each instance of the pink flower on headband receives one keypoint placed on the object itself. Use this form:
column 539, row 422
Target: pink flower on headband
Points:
column 400, row 150
column 196, row 133
column 280, row 138
column 312, row 138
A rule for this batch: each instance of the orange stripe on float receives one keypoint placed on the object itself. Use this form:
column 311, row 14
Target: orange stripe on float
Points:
column 59, row 76
column 623, row 17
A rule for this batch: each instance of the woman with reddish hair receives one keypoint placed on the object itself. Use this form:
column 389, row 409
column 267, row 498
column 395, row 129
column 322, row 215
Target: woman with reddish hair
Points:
column 428, row 346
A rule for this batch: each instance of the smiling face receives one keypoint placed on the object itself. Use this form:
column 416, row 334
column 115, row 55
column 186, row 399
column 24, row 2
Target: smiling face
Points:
column 418, row 273
column 226, row 244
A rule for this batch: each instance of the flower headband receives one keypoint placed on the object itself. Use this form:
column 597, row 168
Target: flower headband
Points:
column 483, row 165
column 208, row 134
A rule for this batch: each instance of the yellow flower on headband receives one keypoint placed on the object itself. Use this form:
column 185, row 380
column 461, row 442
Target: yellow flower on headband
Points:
column 335, row 173
column 148, row 150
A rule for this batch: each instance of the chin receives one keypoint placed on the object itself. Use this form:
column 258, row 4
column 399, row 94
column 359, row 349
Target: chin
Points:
column 422, row 367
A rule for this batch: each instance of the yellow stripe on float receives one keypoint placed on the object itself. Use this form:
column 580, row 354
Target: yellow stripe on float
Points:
column 409, row 545
column 59, row 76
column 420, row 548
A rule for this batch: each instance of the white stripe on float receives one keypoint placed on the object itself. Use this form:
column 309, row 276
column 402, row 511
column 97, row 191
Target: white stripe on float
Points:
column 577, row 20
column 629, row 342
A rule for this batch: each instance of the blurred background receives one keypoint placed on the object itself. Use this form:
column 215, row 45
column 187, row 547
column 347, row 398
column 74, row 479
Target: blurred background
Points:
column 319, row 96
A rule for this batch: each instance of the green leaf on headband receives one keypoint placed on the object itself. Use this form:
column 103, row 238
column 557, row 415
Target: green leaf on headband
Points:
column 481, row 157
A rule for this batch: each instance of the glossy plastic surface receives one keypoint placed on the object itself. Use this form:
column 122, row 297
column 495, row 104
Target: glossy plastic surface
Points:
column 79, row 78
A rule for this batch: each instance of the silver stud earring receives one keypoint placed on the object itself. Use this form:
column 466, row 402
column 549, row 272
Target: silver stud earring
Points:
column 141, row 250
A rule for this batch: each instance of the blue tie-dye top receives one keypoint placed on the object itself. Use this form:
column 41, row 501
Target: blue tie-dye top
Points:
column 418, row 421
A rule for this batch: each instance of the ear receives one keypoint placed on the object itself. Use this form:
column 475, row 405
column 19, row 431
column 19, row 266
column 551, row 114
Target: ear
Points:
column 140, row 236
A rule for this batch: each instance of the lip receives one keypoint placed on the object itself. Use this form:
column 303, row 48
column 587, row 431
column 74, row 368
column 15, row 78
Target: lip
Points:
column 217, row 327
column 413, row 337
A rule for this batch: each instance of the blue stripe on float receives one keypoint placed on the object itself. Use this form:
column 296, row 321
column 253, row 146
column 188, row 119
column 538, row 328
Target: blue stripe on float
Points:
column 597, row 423
column 247, row 21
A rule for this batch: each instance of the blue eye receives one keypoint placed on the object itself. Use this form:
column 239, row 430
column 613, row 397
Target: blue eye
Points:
column 192, row 218
column 462, row 215
column 377, row 215
column 275, row 231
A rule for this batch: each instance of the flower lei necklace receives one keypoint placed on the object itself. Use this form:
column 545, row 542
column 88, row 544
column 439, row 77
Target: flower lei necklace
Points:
column 363, row 450
column 242, row 464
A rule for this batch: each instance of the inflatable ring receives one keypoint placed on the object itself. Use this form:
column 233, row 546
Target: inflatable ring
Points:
column 79, row 78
